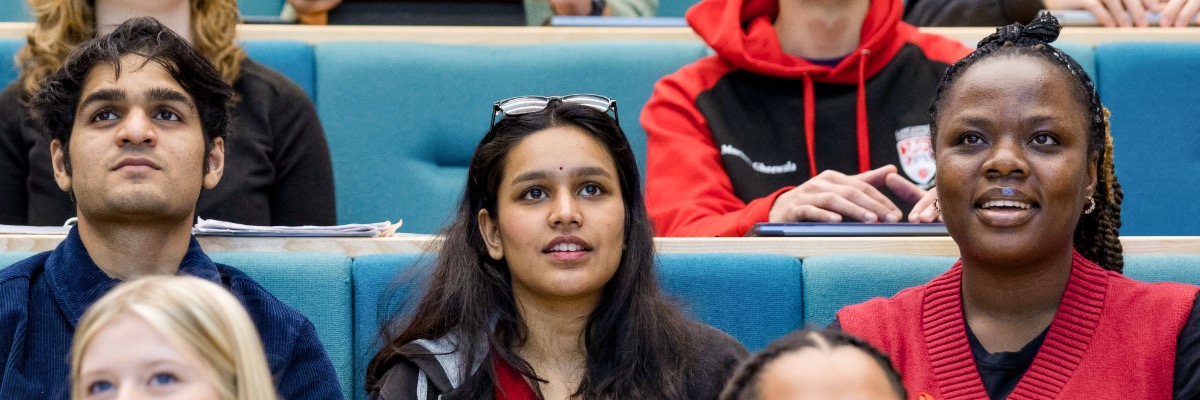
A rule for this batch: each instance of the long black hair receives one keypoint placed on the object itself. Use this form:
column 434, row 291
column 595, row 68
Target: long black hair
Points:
column 636, row 340
column 743, row 385
column 1096, row 235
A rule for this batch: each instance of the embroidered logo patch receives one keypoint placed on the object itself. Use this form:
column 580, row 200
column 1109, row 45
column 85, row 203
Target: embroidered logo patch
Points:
column 916, row 154
column 728, row 150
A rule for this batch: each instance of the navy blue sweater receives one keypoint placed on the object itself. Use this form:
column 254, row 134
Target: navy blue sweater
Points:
column 43, row 297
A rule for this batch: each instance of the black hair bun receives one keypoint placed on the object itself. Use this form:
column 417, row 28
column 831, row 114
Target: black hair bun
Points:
column 1043, row 30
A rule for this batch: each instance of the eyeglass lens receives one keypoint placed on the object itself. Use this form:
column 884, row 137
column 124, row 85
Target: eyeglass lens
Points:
column 530, row 104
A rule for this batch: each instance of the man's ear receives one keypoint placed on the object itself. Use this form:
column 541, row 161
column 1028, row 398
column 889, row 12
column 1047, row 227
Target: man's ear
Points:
column 61, row 165
column 490, row 231
column 215, row 163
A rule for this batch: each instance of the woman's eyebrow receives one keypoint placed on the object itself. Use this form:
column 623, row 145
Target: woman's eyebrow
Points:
column 590, row 171
column 977, row 120
column 579, row 172
column 530, row 176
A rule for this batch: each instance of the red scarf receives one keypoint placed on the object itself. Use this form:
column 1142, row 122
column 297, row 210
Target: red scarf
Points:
column 510, row 384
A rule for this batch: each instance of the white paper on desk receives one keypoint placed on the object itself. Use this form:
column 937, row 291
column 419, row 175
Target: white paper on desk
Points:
column 34, row 230
column 213, row 227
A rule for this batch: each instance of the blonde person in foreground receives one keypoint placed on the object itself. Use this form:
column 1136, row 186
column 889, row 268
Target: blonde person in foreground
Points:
column 169, row 337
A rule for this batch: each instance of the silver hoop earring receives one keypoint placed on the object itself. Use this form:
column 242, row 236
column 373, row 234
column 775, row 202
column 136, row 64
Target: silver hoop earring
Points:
column 1091, row 206
column 935, row 206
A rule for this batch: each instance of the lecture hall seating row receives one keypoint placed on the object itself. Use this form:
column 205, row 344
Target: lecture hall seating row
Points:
column 18, row 10
column 754, row 297
column 403, row 118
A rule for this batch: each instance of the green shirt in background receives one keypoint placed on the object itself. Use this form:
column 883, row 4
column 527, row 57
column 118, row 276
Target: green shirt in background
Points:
column 538, row 12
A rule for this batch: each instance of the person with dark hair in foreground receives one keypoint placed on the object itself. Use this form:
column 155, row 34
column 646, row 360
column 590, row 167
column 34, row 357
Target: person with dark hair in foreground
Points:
column 138, row 120
column 807, row 364
column 1037, row 306
column 545, row 286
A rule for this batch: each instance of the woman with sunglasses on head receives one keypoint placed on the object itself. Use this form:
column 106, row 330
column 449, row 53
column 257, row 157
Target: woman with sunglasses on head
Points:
column 545, row 285
column 1037, row 306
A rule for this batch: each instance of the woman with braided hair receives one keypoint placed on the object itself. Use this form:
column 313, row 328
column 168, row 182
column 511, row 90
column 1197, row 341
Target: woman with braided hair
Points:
column 1037, row 306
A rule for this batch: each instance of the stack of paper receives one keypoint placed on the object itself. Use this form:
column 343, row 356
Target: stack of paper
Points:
column 221, row 228
column 34, row 230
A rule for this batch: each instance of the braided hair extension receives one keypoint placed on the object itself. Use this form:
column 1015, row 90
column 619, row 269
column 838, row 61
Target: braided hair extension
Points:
column 743, row 385
column 1096, row 235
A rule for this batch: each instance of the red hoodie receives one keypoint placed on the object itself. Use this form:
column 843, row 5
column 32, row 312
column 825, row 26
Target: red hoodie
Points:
column 730, row 132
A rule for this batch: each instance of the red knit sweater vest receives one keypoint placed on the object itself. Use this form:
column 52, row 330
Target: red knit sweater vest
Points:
column 1113, row 337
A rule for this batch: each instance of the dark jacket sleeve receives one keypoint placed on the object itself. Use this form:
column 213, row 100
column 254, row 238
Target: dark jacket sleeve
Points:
column 1187, row 357
column 970, row 12
column 303, row 191
column 14, row 160
column 309, row 373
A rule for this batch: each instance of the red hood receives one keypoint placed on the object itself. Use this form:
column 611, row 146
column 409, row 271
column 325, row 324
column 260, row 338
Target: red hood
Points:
column 741, row 32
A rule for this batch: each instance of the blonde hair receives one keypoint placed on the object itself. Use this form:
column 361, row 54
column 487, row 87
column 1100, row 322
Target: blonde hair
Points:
column 61, row 25
column 191, row 313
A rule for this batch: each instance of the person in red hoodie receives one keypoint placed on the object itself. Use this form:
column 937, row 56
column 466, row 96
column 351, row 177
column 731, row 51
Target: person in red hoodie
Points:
column 807, row 108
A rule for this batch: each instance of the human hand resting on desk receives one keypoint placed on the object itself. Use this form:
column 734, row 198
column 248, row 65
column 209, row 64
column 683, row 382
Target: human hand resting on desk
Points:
column 1127, row 13
column 831, row 195
column 924, row 211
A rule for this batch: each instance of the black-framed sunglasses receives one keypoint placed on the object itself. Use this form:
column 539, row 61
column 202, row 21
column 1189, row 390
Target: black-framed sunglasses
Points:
column 531, row 104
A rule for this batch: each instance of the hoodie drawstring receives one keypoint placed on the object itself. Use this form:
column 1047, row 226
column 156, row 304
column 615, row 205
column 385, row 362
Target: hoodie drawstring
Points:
column 864, row 144
column 810, row 124
column 810, row 119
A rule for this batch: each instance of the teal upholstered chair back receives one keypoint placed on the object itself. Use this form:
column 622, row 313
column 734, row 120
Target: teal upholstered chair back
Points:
column 1182, row 268
column 10, row 257
column 8, row 67
column 755, row 298
column 383, row 283
column 317, row 285
column 1083, row 53
column 1153, row 91
column 836, row 281
column 674, row 8
column 260, row 8
column 15, row 11
column 403, row 119
column 293, row 58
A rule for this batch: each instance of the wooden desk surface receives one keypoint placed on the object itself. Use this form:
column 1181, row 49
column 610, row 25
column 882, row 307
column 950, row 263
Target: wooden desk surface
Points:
column 541, row 34
column 798, row 247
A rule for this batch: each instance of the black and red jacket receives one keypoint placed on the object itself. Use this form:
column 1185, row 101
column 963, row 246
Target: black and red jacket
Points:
column 730, row 132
